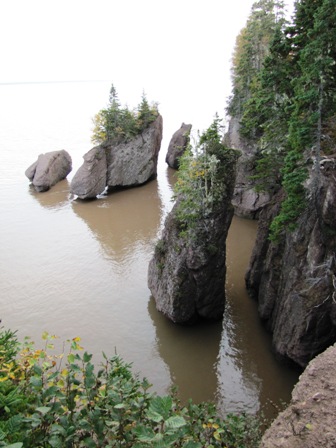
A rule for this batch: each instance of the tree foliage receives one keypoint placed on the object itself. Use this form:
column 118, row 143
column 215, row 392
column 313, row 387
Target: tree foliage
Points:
column 290, row 108
column 202, row 179
column 63, row 401
column 252, row 46
column 116, row 123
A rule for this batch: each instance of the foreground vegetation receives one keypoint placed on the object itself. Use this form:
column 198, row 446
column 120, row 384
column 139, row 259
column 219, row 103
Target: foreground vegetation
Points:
column 49, row 400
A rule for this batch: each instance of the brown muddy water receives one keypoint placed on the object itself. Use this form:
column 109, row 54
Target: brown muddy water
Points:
column 80, row 269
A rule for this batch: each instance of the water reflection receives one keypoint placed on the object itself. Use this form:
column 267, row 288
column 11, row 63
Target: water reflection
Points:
column 123, row 222
column 247, row 366
column 55, row 198
column 190, row 353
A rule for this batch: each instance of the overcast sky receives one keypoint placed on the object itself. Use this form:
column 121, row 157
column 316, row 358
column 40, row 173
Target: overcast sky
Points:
column 168, row 48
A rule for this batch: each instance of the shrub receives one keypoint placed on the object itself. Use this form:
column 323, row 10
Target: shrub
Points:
column 49, row 400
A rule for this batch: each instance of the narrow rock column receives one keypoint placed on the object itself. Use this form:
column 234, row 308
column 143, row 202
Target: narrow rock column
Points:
column 187, row 272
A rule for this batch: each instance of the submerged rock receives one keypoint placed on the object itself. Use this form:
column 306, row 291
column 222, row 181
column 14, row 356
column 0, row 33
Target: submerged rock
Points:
column 119, row 164
column 49, row 169
column 187, row 272
column 309, row 420
column 178, row 144
column 294, row 280
column 247, row 202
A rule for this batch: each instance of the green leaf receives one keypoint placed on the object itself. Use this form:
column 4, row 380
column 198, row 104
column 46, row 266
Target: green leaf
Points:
column 120, row 406
column 15, row 445
column 144, row 434
column 87, row 357
column 175, row 422
column 161, row 406
column 36, row 381
column 43, row 410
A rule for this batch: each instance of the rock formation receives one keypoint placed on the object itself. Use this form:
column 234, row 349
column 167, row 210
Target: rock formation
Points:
column 294, row 280
column 178, row 144
column 187, row 272
column 90, row 179
column 49, row 169
column 246, row 201
column 122, row 164
column 309, row 420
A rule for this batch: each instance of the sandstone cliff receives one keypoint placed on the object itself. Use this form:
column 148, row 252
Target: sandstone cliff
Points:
column 309, row 420
column 294, row 280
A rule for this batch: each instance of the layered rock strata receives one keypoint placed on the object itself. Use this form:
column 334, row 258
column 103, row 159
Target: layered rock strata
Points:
column 294, row 280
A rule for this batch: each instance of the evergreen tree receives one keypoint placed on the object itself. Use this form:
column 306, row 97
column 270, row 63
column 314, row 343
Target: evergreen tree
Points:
column 251, row 48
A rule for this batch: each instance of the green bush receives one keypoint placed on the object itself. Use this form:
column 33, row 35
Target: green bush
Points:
column 49, row 400
column 116, row 123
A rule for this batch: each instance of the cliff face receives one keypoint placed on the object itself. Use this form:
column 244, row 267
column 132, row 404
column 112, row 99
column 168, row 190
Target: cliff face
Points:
column 294, row 280
column 309, row 420
column 187, row 272
column 246, row 201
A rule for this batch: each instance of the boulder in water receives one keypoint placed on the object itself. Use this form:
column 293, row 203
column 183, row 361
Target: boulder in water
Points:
column 49, row 169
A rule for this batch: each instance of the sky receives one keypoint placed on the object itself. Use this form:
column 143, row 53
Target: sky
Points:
column 173, row 50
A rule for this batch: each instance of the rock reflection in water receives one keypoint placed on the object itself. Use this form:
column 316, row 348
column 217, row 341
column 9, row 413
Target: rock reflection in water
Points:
column 250, row 378
column 123, row 220
column 55, row 198
column 190, row 353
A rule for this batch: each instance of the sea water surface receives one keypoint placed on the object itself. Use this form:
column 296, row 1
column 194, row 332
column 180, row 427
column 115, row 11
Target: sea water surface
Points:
column 77, row 268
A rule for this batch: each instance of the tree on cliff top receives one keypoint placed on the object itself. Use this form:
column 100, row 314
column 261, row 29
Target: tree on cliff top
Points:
column 116, row 123
column 291, row 110
column 202, row 179
column 252, row 46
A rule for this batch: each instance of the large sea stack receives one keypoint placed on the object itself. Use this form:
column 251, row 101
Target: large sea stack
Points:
column 187, row 272
column 119, row 164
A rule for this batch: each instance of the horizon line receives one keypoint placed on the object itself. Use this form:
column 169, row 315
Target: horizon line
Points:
column 6, row 83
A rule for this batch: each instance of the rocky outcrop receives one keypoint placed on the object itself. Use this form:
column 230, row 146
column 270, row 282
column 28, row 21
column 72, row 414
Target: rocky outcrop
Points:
column 90, row 179
column 247, row 202
column 178, row 144
column 294, row 280
column 49, row 169
column 187, row 272
column 122, row 164
column 309, row 420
